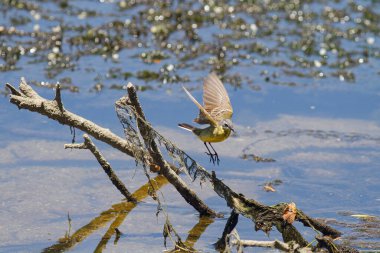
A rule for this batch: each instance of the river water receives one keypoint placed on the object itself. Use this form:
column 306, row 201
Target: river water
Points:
column 303, row 79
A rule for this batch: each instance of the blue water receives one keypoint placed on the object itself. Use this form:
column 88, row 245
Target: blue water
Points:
column 323, row 133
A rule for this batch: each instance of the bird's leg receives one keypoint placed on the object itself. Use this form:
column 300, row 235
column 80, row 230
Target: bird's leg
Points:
column 215, row 154
column 212, row 159
column 209, row 152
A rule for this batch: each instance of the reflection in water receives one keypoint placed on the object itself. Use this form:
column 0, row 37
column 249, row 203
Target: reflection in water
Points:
column 323, row 134
column 195, row 233
column 117, row 212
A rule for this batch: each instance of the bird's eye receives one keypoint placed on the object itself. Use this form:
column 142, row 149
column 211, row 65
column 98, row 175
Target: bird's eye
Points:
column 225, row 125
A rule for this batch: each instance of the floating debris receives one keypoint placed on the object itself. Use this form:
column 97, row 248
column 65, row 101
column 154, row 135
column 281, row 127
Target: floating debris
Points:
column 256, row 158
column 290, row 38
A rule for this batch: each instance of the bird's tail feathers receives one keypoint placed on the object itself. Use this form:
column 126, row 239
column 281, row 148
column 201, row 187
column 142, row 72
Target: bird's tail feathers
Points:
column 186, row 127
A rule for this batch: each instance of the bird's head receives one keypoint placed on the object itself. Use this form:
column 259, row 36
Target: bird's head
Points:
column 227, row 124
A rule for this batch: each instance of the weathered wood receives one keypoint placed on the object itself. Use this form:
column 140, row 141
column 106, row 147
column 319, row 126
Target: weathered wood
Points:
column 88, row 144
column 145, row 129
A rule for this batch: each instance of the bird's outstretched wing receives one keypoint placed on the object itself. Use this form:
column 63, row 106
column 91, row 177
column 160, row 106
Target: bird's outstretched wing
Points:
column 206, row 115
column 216, row 101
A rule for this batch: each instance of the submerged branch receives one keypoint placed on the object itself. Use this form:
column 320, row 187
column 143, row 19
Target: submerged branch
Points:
column 228, row 228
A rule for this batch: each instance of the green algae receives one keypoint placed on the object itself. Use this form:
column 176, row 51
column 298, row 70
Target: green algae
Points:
column 298, row 39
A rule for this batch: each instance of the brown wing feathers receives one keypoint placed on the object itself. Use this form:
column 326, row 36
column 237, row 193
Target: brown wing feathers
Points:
column 215, row 99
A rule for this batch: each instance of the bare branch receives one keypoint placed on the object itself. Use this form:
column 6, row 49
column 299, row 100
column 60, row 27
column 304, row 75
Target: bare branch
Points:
column 75, row 146
column 30, row 100
column 315, row 224
column 13, row 90
column 145, row 129
column 264, row 217
column 27, row 90
column 286, row 247
column 233, row 239
column 328, row 243
column 229, row 227
column 88, row 144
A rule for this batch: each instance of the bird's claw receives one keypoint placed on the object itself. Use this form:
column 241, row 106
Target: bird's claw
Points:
column 213, row 157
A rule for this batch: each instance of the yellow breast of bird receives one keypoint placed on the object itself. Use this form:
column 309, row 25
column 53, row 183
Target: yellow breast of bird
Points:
column 214, row 134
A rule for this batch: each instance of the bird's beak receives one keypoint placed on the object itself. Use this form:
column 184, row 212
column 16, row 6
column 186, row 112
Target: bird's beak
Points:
column 232, row 129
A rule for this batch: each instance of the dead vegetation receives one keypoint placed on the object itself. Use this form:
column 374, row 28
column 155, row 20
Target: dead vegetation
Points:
column 146, row 146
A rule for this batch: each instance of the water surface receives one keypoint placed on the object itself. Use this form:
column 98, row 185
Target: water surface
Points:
column 302, row 77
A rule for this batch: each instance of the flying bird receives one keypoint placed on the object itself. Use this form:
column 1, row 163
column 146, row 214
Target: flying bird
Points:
column 216, row 111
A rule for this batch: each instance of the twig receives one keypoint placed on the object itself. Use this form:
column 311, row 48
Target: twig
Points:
column 27, row 90
column 315, row 224
column 13, row 90
column 328, row 243
column 58, row 98
column 233, row 238
column 155, row 153
column 286, row 247
column 88, row 144
column 76, row 145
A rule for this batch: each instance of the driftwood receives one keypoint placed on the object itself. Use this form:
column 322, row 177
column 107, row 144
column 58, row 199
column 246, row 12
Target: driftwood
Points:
column 233, row 240
column 157, row 158
column 149, row 154
column 28, row 99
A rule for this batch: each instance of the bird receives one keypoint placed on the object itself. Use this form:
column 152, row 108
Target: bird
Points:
column 216, row 111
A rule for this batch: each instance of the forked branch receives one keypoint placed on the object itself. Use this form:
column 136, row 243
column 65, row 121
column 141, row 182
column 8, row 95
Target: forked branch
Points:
column 264, row 217
column 27, row 98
